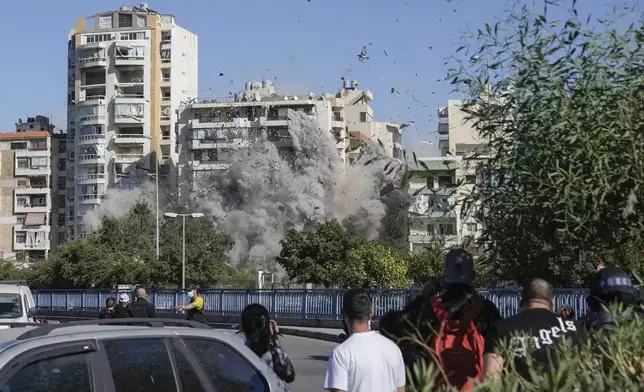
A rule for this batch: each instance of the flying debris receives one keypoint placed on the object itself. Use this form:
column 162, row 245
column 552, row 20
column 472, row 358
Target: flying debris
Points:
column 221, row 74
column 363, row 54
column 403, row 126
column 385, row 53
column 393, row 90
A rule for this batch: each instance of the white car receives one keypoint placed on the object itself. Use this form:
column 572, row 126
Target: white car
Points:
column 17, row 304
column 130, row 355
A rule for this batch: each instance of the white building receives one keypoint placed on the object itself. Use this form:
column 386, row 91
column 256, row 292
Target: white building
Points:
column 457, row 136
column 213, row 129
column 31, row 220
column 129, row 70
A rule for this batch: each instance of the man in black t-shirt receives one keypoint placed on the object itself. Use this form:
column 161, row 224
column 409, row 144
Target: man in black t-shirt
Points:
column 535, row 331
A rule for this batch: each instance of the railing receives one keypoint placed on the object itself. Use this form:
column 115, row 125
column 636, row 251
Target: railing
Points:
column 93, row 117
column 88, row 156
column 91, row 177
column 91, row 136
column 129, row 156
column 131, row 96
column 324, row 304
column 90, row 60
column 121, row 57
column 91, row 196
column 94, row 98
column 130, row 136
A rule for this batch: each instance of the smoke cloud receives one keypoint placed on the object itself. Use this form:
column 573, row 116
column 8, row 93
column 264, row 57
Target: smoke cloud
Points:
column 267, row 191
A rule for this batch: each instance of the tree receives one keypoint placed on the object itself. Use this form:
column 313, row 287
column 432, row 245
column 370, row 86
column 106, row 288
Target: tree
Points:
column 375, row 266
column 426, row 265
column 122, row 251
column 562, row 106
column 317, row 255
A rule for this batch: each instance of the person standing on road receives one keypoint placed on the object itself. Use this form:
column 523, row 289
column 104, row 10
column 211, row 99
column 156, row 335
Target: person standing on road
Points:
column 121, row 309
column 535, row 331
column 141, row 308
column 366, row 361
column 110, row 303
column 195, row 307
column 261, row 335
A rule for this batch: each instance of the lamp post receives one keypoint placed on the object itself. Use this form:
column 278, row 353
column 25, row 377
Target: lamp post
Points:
column 183, row 258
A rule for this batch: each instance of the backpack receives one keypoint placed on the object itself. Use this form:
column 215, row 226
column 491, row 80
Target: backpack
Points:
column 458, row 345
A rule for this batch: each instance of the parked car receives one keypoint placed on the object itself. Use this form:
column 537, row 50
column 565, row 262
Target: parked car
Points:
column 17, row 303
column 124, row 355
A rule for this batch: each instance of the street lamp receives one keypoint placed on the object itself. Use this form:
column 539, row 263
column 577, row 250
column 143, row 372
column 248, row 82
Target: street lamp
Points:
column 183, row 258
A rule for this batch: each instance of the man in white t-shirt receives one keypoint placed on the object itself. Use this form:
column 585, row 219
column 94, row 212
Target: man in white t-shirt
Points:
column 366, row 361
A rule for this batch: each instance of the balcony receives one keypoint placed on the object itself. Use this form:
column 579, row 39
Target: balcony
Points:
column 31, row 171
column 337, row 124
column 443, row 126
column 93, row 61
column 92, row 100
column 130, row 98
column 90, row 159
column 207, row 166
column 91, row 138
column 32, row 203
column 137, row 138
column 28, row 190
column 35, row 239
column 93, row 198
column 91, row 119
column 277, row 121
column 129, row 56
column 128, row 158
column 123, row 118
column 91, row 179
column 165, row 82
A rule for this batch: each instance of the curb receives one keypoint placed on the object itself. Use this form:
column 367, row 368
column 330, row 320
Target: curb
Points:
column 329, row 337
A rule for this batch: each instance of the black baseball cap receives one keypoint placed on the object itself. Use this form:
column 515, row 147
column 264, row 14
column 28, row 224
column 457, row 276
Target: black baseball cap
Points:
column 459, row 267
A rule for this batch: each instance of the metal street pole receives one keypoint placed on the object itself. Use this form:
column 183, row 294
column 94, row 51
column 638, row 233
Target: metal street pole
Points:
column 183, row 262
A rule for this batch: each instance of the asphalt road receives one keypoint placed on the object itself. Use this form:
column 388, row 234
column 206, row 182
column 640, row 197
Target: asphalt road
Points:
column 309, row 356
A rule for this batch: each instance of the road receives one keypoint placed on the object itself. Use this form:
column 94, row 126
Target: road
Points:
column 309, row 356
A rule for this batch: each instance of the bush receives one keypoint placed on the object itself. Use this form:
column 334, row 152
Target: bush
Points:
column 613, row 362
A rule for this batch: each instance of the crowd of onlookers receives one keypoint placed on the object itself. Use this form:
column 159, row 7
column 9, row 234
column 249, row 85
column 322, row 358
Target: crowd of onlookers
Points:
column 449, row 324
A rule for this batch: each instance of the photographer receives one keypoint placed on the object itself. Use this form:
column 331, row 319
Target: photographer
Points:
column 261, row 335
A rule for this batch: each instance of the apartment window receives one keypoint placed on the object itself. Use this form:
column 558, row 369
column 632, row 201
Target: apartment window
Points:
column 39, row 144
column 71, row 212
column 38, row 162
column 472, row 227
column 105, row 22
column 21, row 237
column 61, row 220
column 23, row 163
column 21, row 182
column 470, row 179
column 363, row 116
column 135, row 36
column 39, row 201
column 141, row 21
column 20, row 219
column 430, row 182
column 125, row 20
column 61, row 201
column 97, row 38
column 62, row 146
column 19, row 146
column 165, row 55
column 444, row 181
column 61, row 182
column 446, row 229
column 430, row 229
column 21, row 201
column 166, row 35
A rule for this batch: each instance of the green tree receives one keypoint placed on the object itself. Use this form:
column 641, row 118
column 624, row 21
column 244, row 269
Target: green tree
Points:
column 122, row 251
column 319, row 254
column 376, row 266
column 562, row 106
column 426, row 265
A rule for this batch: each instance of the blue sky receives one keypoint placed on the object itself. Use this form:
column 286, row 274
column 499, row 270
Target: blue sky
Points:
column 302, row 45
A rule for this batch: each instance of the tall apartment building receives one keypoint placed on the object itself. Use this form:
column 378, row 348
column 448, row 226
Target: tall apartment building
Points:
column 445, row 180
column 213, row 129
column 129, row 70
column 31, row 222
column 456, row 135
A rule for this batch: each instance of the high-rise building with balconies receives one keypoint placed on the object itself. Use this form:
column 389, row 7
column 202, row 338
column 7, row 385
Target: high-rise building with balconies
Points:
column 213, row 129
column 129, row 70
column 32, row 185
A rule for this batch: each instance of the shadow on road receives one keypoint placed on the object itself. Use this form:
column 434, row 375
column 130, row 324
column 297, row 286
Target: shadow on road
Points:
column 324, row 358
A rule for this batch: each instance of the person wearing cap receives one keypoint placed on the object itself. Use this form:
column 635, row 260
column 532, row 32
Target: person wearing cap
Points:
column 534, row 331
column 121, row 309
column 457, row 298
column 609, row 286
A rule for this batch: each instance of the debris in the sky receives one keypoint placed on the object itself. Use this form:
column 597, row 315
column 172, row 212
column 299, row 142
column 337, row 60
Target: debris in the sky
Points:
column 363, row 54
column 393, row 90
column 430, row 48
column 385, row 53
column 221, row 74
column 403, row 126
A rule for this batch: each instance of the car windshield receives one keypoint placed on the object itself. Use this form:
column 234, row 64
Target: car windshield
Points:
column 10, row 306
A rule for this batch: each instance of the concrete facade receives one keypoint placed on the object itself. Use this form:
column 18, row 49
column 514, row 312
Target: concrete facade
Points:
column 128, row 72
column 30, row 222
column 210, row 130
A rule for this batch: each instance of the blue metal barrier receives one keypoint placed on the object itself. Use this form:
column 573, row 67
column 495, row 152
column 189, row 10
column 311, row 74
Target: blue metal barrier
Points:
column 321, row 304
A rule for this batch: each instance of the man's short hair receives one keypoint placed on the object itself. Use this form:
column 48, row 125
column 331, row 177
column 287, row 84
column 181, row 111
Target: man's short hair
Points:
column 356, row 304
column 537, row 290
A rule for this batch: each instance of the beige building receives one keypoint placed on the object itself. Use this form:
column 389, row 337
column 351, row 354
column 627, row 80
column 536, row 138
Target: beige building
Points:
column 128, row 72
column 457, row 137
column 32, row 221
column 212, row 129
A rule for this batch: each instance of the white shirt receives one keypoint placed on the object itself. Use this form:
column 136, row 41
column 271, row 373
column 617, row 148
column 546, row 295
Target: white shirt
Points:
column 365, row 362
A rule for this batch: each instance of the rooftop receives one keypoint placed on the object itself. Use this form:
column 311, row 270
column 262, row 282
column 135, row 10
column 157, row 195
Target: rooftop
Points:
column 24, row 135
